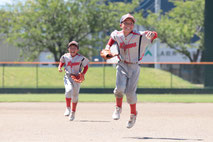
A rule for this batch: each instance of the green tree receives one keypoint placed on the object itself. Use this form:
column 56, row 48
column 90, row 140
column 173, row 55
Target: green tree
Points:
column 4, row 22
column 38, row 25
column 177, row 27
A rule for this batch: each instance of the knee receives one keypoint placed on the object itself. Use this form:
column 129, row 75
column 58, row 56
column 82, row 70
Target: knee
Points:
column 119, row 92
column 131, row 98
column 68, row 93
column 75, row 97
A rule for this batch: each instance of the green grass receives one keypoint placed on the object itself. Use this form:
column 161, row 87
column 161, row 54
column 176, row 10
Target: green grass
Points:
column 49, row 77
column 154, row 98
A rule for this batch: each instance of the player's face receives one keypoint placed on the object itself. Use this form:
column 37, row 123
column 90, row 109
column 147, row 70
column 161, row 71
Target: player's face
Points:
column 127, row 25
column 73, row 50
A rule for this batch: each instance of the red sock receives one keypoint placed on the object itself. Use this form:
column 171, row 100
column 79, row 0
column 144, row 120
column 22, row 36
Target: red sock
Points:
column 133, row 109
column 68, row 102
column 119, row 102
column 74, row 106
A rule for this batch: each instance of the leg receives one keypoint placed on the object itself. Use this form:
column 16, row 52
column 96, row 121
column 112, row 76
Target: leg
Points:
column 121, row 80
column 119, row 102
column 132, row 85
column 68, row 108
column 132, row 96
column 68, row 102
column 75, row 93
column 68, row 89
column 133, row 109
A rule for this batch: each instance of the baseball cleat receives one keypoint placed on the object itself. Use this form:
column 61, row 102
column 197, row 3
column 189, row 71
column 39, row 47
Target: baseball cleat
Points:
column 131, row 121
column 72, row 116
column 116, row 113
column 67, row 111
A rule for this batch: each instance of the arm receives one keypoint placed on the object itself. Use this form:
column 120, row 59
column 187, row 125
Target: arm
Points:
column 155, row 35
column 110, row 43
column 106, row 53
column 85, row 70
column 60, row 66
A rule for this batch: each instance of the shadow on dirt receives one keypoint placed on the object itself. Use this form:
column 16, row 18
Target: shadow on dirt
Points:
column 152, row 138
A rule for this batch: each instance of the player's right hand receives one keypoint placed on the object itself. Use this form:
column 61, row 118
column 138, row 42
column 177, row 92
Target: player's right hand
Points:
column 59, row 69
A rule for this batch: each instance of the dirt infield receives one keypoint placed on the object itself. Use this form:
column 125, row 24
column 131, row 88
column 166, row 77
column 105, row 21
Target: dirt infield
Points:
column 156, row 122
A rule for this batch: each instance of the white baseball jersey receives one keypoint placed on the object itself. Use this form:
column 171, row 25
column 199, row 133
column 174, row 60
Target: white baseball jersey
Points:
column 74, row 65
column 129, row 50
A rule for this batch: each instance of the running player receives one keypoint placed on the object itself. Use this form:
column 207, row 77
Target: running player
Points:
column 132, row 45
column 74, row 63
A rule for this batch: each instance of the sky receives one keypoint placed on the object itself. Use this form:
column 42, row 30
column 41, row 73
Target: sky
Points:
column 3, row 2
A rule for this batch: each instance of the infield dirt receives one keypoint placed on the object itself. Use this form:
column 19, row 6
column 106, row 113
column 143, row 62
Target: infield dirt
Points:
column 156, row 122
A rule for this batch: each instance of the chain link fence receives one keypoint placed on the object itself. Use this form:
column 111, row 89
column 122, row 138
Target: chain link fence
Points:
column 101, row 75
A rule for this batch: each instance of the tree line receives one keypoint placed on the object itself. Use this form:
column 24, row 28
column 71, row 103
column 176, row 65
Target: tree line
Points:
column 38, row 25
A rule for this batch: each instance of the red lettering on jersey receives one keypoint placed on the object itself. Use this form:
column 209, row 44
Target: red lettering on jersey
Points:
column 123, row 46
column 73, row 64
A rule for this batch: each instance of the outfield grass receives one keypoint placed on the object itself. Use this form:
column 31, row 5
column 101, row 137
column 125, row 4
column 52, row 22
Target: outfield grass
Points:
column 96, row 77
column 154, row 98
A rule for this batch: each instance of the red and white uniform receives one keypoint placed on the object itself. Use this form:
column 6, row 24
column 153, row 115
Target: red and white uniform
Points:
column 129, row 46
column 73, row 65
column 130, row 54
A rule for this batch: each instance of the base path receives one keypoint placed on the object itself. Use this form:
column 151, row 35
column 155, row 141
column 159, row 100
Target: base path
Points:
column 156, row 122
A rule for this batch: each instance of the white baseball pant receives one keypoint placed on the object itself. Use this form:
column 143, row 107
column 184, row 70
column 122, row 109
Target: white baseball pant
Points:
column 71, row 88
column 127, row 76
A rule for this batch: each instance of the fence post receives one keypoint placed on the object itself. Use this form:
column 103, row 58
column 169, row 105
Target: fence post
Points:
column 3, row 76
column 36, row 75
column 171, row 75
column 104, row 75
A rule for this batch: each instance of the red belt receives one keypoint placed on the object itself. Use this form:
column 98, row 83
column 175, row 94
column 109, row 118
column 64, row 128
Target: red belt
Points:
column 128, row 62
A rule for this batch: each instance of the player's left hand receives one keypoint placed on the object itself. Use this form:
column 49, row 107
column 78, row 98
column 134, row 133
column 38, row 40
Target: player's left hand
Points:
column 151, row 35
column 78, row 78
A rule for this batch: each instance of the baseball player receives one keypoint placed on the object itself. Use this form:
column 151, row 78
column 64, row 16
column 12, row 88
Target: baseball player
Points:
column 131, row 48
column 74, row 63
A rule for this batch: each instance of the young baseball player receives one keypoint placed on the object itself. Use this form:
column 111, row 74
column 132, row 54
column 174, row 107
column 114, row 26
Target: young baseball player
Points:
column 131, row 48
column 74, row 75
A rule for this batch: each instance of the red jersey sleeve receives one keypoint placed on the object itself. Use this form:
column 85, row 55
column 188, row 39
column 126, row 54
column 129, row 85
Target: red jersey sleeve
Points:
column 110, row 42
column 85, row 69
column 61, row 64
